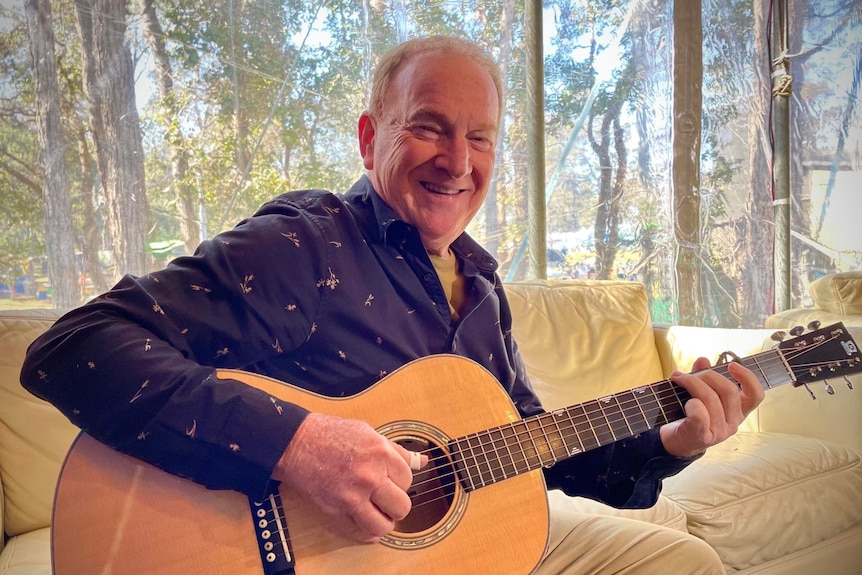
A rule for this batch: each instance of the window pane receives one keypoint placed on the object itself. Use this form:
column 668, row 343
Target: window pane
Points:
column 238, row 101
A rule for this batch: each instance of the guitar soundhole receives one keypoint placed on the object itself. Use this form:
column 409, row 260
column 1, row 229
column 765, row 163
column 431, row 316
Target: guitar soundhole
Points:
column 432, row 491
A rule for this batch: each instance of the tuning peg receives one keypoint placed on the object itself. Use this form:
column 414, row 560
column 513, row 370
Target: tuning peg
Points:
column 813, row 325
column 797, row 331
column 848, row 382
column 808, row 389
column 778, row 336
column 828, row 387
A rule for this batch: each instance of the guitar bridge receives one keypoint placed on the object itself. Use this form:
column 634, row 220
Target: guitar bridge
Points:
column 273, row 539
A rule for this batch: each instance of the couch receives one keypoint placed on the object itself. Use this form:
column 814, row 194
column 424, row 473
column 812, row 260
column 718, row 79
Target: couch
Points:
column 782, row 496
column 835, row 297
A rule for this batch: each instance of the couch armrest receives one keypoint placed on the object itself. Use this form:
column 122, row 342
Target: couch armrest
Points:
column 786, row 409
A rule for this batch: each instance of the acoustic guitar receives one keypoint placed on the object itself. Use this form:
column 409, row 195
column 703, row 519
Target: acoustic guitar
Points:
column 479, row 506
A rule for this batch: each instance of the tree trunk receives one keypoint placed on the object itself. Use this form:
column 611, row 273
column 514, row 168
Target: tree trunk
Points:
column 240, row 116
column 687, row 104
column 91, row 242
column 606, row 229
column 492, row 211
column 59, row 239
column 170, row 112
column 110, row 90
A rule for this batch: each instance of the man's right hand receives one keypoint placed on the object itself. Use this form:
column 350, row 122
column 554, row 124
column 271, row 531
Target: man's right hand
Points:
column 357, row 477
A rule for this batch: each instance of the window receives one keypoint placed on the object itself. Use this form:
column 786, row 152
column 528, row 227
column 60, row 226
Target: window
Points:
column 659, row 136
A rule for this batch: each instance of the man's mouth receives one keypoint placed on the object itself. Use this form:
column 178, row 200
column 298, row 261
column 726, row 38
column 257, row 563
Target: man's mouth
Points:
column 441, row 190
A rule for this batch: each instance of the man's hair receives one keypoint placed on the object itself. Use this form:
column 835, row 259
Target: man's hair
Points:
column 392, row 61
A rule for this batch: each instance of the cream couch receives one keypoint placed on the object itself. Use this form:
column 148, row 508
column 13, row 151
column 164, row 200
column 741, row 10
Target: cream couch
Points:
column 783, row 496
column 836, row 297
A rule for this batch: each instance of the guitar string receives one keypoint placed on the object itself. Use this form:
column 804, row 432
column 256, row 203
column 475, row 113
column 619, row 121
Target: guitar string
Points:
column 436, row 480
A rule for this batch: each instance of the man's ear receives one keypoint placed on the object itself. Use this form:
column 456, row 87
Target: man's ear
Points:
column 366, row 140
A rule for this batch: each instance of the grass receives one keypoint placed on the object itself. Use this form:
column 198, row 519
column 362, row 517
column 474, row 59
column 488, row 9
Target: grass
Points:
column 10, row 303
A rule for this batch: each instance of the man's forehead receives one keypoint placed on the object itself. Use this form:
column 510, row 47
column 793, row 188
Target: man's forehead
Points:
column 427, row 77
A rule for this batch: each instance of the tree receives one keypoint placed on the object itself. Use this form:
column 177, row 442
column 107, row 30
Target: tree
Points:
column 109, row 87
column 170, row 116
column 52, row 149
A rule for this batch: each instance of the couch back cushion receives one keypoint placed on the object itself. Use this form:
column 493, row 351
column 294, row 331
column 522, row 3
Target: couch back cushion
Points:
column 839, row 293
column 34, row 436
column 583, row 339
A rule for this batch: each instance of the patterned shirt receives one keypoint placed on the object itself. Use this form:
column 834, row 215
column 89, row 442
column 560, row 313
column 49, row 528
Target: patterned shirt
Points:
column 329, row 293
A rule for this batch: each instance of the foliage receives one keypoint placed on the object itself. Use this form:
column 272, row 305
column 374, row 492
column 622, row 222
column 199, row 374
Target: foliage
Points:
column 266, row 95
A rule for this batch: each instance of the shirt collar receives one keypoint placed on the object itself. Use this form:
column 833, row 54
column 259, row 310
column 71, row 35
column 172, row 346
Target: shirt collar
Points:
column 391, row 229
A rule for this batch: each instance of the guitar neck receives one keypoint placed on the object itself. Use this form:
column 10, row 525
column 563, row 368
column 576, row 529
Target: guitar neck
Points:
column 490, row 456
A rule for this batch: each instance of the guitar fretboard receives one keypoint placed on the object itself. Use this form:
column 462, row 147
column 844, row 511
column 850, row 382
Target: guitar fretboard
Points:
column 490, row 456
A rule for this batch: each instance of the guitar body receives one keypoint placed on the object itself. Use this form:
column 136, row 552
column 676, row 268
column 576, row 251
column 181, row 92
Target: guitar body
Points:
column 114, row 514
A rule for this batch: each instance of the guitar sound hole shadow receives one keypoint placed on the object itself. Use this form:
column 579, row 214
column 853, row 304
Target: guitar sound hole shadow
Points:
column 432, row 491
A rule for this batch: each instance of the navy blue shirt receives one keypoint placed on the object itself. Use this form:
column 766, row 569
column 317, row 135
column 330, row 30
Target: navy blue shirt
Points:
column 329, row 293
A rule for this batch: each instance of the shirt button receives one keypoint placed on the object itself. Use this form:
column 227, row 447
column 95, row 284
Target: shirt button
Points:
column 427, row 277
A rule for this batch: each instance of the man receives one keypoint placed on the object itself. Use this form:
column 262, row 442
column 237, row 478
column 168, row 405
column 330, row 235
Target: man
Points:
column 331, row 293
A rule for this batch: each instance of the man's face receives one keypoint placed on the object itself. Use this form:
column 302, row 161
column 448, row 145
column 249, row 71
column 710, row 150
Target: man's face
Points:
column 430, row 155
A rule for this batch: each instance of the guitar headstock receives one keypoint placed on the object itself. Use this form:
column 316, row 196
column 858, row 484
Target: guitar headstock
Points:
column 821, row 354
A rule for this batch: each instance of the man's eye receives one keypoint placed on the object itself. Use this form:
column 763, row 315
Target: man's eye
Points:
column 426, row 131
column 483, row 143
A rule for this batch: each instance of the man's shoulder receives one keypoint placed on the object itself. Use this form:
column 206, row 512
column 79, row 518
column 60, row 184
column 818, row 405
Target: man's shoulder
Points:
column 306, row 200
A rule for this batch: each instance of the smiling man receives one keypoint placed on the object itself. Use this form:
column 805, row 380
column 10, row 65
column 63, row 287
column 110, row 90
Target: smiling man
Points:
column 332, row 292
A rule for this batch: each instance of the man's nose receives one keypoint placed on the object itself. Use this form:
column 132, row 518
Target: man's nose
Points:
column 454, row 157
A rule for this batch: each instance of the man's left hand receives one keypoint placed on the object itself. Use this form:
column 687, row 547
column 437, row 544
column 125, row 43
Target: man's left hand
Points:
column 716, row 409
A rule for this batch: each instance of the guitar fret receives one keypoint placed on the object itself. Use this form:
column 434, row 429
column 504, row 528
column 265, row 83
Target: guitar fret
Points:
column 653, row 414
column 513, row 441
column 558, row 447
column 498, row 441
column 635, row 418
column 548, row 445
column 582, row 423
column 600, row 424
column 752, row 364
column 623, row 413
column 540, row 445
column 466, row 463
column 498, row 469
column 563, row 445
column 568, row 433
column 601, row 403
column 483, row 465
column 535, row 451
column 670, row 401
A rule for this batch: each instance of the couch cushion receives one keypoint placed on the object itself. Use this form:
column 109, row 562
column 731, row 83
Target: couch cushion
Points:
column 839, row 293
column 34, row 436
column 583, row 339
column 760, row 496
column 28, row 554
column 804, row 315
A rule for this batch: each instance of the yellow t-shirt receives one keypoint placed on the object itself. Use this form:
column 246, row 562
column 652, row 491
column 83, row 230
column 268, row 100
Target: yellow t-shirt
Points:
column 453, row 282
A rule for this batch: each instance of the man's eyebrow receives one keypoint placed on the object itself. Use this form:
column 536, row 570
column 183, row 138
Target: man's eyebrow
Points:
column 428, row 115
